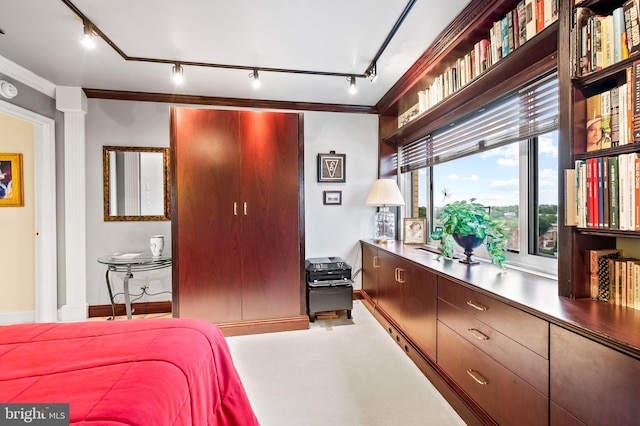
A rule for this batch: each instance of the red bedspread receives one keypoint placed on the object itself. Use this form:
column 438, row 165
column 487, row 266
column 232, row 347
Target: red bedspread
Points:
column 142, row 372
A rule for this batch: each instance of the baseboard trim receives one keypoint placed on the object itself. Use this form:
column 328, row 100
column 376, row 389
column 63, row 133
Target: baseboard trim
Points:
column 241, row 328
column 138, row 308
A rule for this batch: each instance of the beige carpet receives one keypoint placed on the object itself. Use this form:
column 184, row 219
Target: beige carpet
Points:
column 339, row 372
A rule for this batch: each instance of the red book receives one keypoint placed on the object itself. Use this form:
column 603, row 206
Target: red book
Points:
column 539, row 15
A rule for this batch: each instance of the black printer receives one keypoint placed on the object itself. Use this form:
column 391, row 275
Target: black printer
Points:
column 329, row 286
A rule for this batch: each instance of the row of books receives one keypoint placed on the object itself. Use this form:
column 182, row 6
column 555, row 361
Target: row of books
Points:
column 614, row 278
column 607, row 193
column 505, row 36
column 613, row 116
column 598, row 41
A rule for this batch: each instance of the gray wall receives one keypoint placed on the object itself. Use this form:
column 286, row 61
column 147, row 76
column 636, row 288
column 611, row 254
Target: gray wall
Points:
column 330, row 230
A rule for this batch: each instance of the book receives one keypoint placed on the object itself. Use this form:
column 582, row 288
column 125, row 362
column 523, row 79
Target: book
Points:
column 636, row 285
column 521, row 23
column 606, row 210
column 630, row 284
column 504, row 31
column 571, row 200
column 605, row 98
column 599, row 272
column 539, row 15
column 618, row 30
column 637, row 193
column 615, row 117
column 594, row 123
column 632, row 25
column 599, row 203
column 530, row 17
column 631, row 187
column 613, row 194
column 636, row 100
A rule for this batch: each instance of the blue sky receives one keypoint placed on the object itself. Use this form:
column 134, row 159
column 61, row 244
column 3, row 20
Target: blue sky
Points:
column 492, row 177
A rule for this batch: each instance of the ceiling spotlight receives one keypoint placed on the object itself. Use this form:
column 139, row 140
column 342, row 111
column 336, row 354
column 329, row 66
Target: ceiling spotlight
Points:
column 352, row 85
column 177, row 73
column 372, row 72
column 256, row 78
column 87, row 38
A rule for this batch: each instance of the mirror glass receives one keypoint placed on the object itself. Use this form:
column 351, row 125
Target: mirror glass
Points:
column 136, row 183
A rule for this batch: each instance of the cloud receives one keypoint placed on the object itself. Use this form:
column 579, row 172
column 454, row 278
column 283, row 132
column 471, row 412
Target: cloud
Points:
column 507, row 155
column 548, row 177
column 472, row 177
column 505, row 185
column 547, row 146
column 453, row 176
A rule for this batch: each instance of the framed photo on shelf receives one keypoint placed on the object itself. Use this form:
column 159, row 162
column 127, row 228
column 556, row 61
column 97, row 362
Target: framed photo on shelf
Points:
column 332, row 197
column 331, row 167
column 415, row 230
column 11, row 188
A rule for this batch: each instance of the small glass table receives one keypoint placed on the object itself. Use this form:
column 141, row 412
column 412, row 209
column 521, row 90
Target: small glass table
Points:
column 129, row 263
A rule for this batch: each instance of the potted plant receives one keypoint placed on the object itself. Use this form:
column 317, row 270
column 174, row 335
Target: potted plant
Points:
column 468, row 223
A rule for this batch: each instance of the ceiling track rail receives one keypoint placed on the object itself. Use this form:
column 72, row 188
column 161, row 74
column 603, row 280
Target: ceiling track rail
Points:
column 370, row 72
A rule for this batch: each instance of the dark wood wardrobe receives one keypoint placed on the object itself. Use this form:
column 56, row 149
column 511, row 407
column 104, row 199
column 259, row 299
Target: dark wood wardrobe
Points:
column 237, row 219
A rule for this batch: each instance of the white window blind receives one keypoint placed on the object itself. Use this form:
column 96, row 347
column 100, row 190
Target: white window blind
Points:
column 526, row 113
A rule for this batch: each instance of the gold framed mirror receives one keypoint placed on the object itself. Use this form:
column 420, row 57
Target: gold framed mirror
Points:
column 136, row 183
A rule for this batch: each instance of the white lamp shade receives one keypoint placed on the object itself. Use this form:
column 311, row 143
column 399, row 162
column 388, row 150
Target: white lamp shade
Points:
column 385, row 192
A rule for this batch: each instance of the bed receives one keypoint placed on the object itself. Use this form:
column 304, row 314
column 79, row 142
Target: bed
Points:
column 166, row 371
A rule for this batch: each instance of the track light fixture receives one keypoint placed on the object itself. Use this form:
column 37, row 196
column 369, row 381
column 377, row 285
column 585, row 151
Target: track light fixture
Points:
column 177, row 73
column 87, row 38
column 256, row 78
column 372, row 72
column 90, row 30
column 352, row 85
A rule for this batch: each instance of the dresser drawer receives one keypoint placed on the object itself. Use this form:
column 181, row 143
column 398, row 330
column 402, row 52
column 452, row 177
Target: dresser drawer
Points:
column 508, row 399
column 527, row 364
column 520, row 326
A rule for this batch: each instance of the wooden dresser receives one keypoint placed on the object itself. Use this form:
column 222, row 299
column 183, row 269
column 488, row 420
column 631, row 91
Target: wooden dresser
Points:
column 501, row 345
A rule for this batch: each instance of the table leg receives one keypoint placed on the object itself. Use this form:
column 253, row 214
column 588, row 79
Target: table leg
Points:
column 127, row 297
column 113, row 303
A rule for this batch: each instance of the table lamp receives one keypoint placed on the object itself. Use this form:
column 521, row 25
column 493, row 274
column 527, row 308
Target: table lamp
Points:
column 384, row 193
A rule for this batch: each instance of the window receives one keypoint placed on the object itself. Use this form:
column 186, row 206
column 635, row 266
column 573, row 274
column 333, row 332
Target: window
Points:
column 514, row 172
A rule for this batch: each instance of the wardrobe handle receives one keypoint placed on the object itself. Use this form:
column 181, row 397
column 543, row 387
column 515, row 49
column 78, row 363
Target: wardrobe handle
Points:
column 235, row 208
column 245, row 208
column 477, row 306
column 478, row 334
column 477, row 377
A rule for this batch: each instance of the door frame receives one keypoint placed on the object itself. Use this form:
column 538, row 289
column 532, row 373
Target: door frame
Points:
column 46, row 288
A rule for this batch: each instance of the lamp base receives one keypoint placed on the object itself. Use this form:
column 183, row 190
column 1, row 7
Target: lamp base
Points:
column 384, row 226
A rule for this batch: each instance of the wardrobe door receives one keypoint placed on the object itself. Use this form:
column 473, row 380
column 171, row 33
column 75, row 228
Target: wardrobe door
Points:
column 271, row 279
column 206, row 214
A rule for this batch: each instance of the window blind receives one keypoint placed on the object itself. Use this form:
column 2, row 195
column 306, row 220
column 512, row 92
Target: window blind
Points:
column 524, row 114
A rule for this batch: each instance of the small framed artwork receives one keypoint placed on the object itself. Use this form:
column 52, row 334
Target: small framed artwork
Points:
column 332, row 197
column 11, row 189
column 331, row 167
column 415, row 230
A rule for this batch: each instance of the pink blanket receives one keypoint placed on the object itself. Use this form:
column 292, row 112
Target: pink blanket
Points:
column 142, row 372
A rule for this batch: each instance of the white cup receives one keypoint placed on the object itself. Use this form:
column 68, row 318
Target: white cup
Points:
column 156, row 244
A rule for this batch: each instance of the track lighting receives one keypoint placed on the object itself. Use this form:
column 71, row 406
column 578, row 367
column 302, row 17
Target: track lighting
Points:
column 87, row 38
column 256, row 78
column 177, row 74
column 372, row 72
column 352, row 85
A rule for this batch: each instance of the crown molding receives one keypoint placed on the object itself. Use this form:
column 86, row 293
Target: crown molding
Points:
column 24, row 76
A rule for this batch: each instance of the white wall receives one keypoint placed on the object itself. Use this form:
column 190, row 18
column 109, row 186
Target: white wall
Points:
column 330, row 230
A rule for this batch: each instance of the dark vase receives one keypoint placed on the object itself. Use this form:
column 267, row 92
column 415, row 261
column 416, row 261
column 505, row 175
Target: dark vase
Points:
column 468, row 243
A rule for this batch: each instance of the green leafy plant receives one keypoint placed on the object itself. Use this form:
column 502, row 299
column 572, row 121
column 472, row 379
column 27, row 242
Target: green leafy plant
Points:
column 471, row 218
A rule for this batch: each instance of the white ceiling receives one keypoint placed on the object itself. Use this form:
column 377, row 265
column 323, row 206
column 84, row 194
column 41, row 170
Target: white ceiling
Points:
column 323, row 35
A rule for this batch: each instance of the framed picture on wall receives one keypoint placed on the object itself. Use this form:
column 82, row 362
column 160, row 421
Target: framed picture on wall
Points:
column 332, row 197
column 331, row 167
column 11, row 188
column 415, row 230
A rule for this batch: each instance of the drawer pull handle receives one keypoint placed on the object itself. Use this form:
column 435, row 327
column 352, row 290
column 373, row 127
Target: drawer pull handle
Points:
column 477, row 377
column 400, row 277
column 376, row 262
column 478, row 334
column 477, row 306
